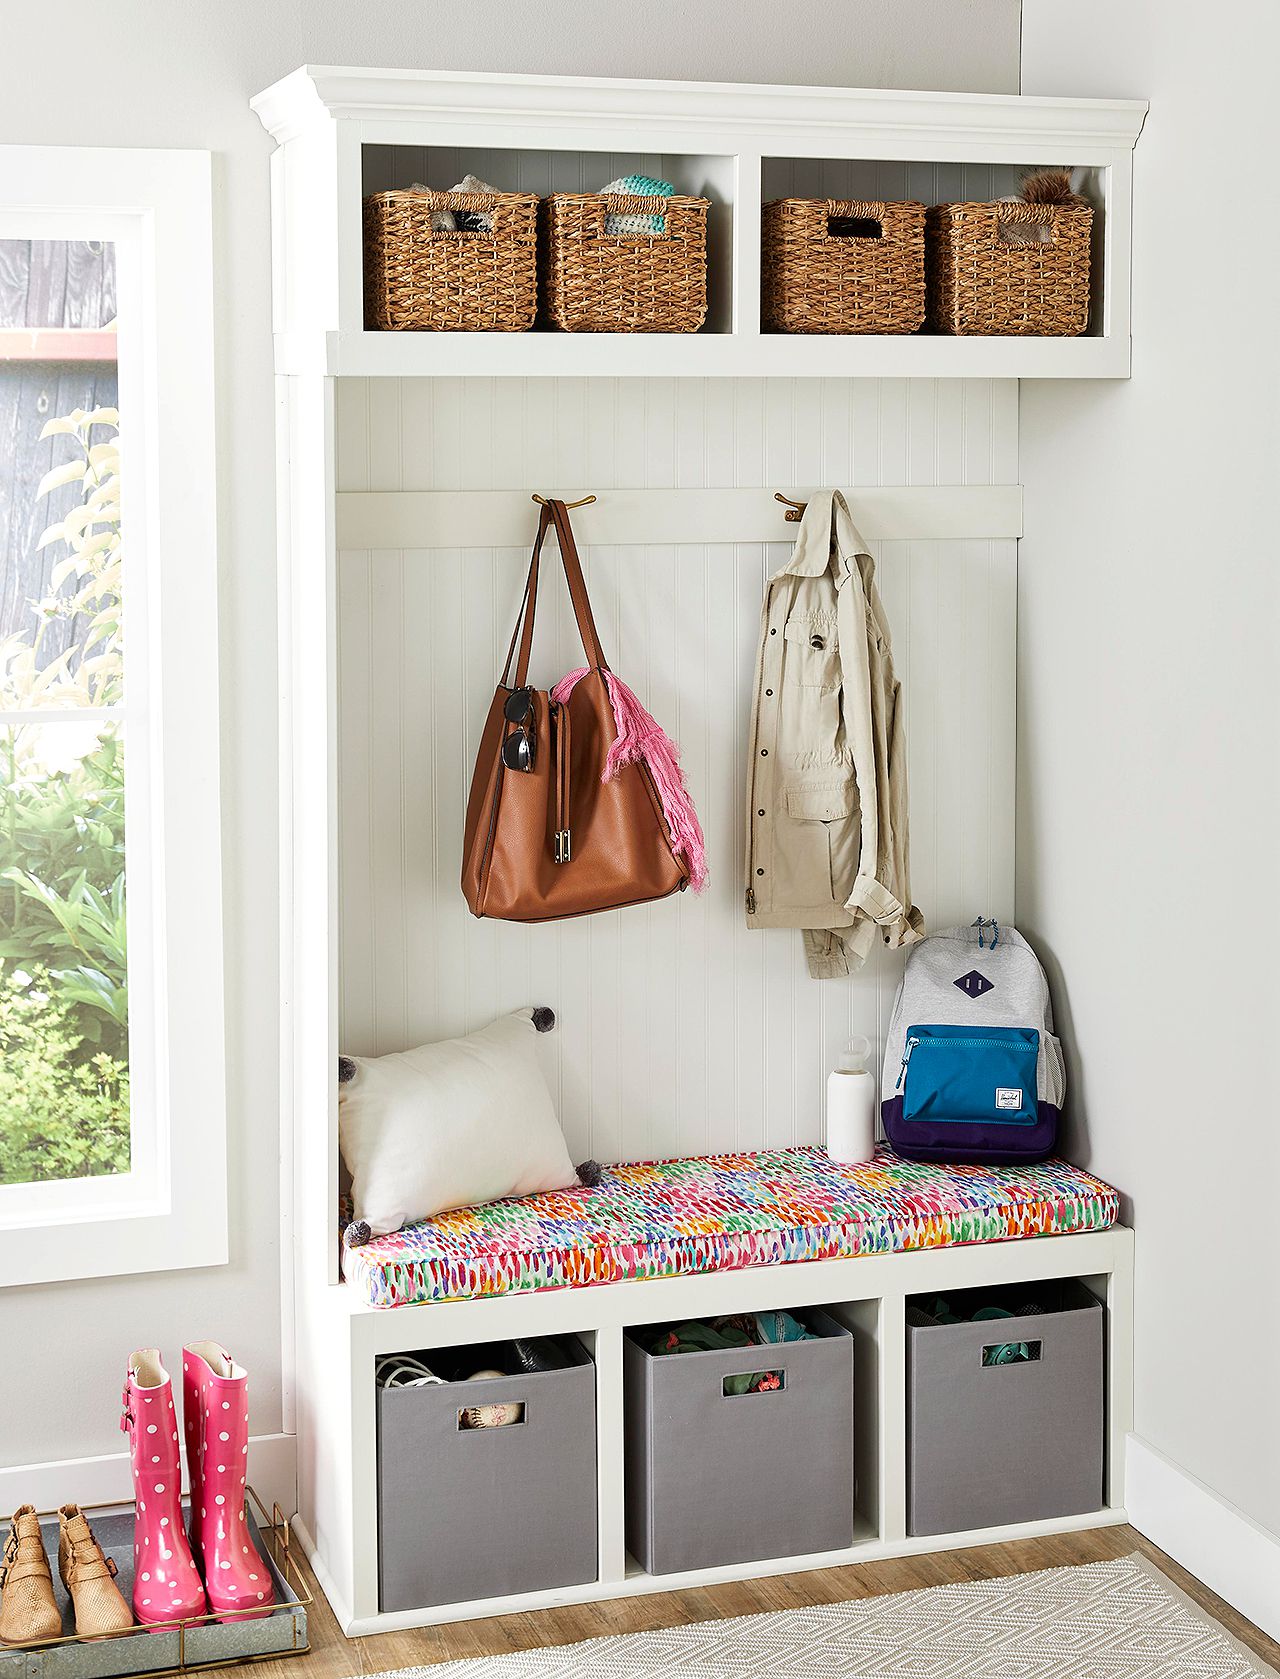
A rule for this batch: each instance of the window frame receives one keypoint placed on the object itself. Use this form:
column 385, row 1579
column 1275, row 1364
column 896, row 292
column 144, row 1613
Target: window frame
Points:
column 169, row 1211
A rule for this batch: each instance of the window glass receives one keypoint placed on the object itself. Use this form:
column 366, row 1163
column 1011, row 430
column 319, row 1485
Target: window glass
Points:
column 64, row 1026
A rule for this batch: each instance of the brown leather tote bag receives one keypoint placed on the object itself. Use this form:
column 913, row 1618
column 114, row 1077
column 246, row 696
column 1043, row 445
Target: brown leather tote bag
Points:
column 547, row 836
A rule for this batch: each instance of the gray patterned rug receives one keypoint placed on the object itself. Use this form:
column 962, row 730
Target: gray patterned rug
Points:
column 1102, row 1620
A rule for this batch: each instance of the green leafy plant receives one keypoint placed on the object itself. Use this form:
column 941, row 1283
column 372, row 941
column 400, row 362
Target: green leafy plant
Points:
column 62, row 901
column 64, row 998
column 64, row 1113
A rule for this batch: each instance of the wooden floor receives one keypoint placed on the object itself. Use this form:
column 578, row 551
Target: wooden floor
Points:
column 334, row 1657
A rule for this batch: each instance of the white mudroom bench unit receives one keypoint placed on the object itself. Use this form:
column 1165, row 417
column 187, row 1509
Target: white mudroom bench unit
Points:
column 406, row 461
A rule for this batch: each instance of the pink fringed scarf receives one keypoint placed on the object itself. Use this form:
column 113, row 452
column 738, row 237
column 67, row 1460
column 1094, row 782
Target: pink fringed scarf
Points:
column 641, row 739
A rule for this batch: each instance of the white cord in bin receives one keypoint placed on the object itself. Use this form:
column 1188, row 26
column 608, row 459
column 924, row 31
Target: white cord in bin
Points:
column 401, row 1371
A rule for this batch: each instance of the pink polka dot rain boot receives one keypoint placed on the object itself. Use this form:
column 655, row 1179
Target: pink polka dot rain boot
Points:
column 166, row 1582
column 216, row 1409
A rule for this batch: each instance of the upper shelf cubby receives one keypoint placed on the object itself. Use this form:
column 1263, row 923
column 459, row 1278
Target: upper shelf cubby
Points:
column 536, row 170
column 344, row 134
column 928, row 181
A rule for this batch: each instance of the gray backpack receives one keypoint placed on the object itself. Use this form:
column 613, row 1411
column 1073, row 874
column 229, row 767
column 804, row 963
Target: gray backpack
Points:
column 972, row 1069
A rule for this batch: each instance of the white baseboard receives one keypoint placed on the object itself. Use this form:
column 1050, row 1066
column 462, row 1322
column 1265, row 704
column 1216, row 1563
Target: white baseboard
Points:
column 1211, row 1538
column 273, row 1475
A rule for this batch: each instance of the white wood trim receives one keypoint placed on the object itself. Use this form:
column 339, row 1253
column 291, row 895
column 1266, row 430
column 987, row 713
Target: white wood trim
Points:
column 883, row 117
column 106, row 1478
column 705, row 355
column 639, row 1584
column 605, row 1347
column 309, row 876
column 892, row 1417
column 40, row 715
column 170, row 1211
column 324, row 1575
column 1214, row 1540
column 508, row 518
column 1119, row 1302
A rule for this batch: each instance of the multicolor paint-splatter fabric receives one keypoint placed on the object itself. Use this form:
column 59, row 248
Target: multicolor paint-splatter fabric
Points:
column 722, row 1212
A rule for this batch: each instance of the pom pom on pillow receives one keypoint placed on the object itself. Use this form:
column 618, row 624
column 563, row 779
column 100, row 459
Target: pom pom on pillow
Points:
column 450, row 1125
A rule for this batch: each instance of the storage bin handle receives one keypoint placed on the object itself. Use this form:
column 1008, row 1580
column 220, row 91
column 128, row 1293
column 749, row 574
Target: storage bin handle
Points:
column 779, row 1386
column 633, row 204
column 476, row 201
column 861, row 209
column 1029, row 215
column 512, row 212
column 996, row 1348
column 679, row 214
column 491, row 1428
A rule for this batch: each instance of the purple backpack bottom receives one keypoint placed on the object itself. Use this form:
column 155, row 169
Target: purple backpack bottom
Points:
column 979, row 1144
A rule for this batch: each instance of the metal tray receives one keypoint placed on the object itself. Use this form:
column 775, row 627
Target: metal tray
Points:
column 176, row 1646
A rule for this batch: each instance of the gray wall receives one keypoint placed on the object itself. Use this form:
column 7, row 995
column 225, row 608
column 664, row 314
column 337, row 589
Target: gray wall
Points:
column 1149, row 797
column 142, row 74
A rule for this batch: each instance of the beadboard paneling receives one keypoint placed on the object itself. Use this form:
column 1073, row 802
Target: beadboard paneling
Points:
column 679, row 1031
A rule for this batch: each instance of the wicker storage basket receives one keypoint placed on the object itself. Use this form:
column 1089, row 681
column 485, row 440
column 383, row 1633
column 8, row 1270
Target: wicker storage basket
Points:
column 624, row 282
column 979, row 282
column 814, row 280
column 418, row 278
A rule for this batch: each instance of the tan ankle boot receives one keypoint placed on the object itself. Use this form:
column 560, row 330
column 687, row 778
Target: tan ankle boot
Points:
column 90, row 1578
column 28, row 1613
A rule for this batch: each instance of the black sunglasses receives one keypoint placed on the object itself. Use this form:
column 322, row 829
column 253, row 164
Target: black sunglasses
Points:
column 517, row 748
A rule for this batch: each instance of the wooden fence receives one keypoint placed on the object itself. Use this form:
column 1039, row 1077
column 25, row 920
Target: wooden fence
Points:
column 57, row 297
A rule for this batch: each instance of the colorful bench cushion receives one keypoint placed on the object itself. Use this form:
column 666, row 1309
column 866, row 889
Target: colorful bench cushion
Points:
column 722, row 1212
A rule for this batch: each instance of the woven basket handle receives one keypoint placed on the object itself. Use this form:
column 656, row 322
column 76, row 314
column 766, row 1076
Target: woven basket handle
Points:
column 475, row 201
column 1028, row 214
column 632, row 204
column 863, row 210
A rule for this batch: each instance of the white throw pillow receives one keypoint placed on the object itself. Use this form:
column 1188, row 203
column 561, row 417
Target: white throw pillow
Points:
column 450, row 1125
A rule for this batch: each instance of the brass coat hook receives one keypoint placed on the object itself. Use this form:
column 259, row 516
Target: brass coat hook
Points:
column 585, row 502
column 795, row 509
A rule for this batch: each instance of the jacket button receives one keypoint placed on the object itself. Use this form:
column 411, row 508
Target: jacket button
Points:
column 759, row 871
column 768, row 693
column 764, row 751
column 773, row 632
column 817, row 641
column 759, row 813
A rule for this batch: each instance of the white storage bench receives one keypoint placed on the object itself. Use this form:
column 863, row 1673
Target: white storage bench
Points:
column 720, row 1236
column 393, row 570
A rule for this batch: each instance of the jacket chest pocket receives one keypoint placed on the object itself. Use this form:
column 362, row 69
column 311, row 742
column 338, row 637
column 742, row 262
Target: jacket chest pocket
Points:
column 811, row 654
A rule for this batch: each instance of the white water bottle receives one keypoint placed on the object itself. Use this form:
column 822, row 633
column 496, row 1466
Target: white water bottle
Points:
column 851, row 1106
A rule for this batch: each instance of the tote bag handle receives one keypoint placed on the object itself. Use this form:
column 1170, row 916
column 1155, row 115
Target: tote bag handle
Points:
column 553, row 512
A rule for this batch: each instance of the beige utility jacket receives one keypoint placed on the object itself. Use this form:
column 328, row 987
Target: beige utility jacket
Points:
column 827, row 818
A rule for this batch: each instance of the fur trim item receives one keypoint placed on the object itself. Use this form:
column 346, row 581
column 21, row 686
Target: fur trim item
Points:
column 640, row 739
column 1049, row 186
column 590, row 1174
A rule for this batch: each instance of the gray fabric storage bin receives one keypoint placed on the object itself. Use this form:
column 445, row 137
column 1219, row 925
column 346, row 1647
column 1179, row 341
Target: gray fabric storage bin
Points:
column 714, row 1478
column 996, row 1443
column 466, row 1513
